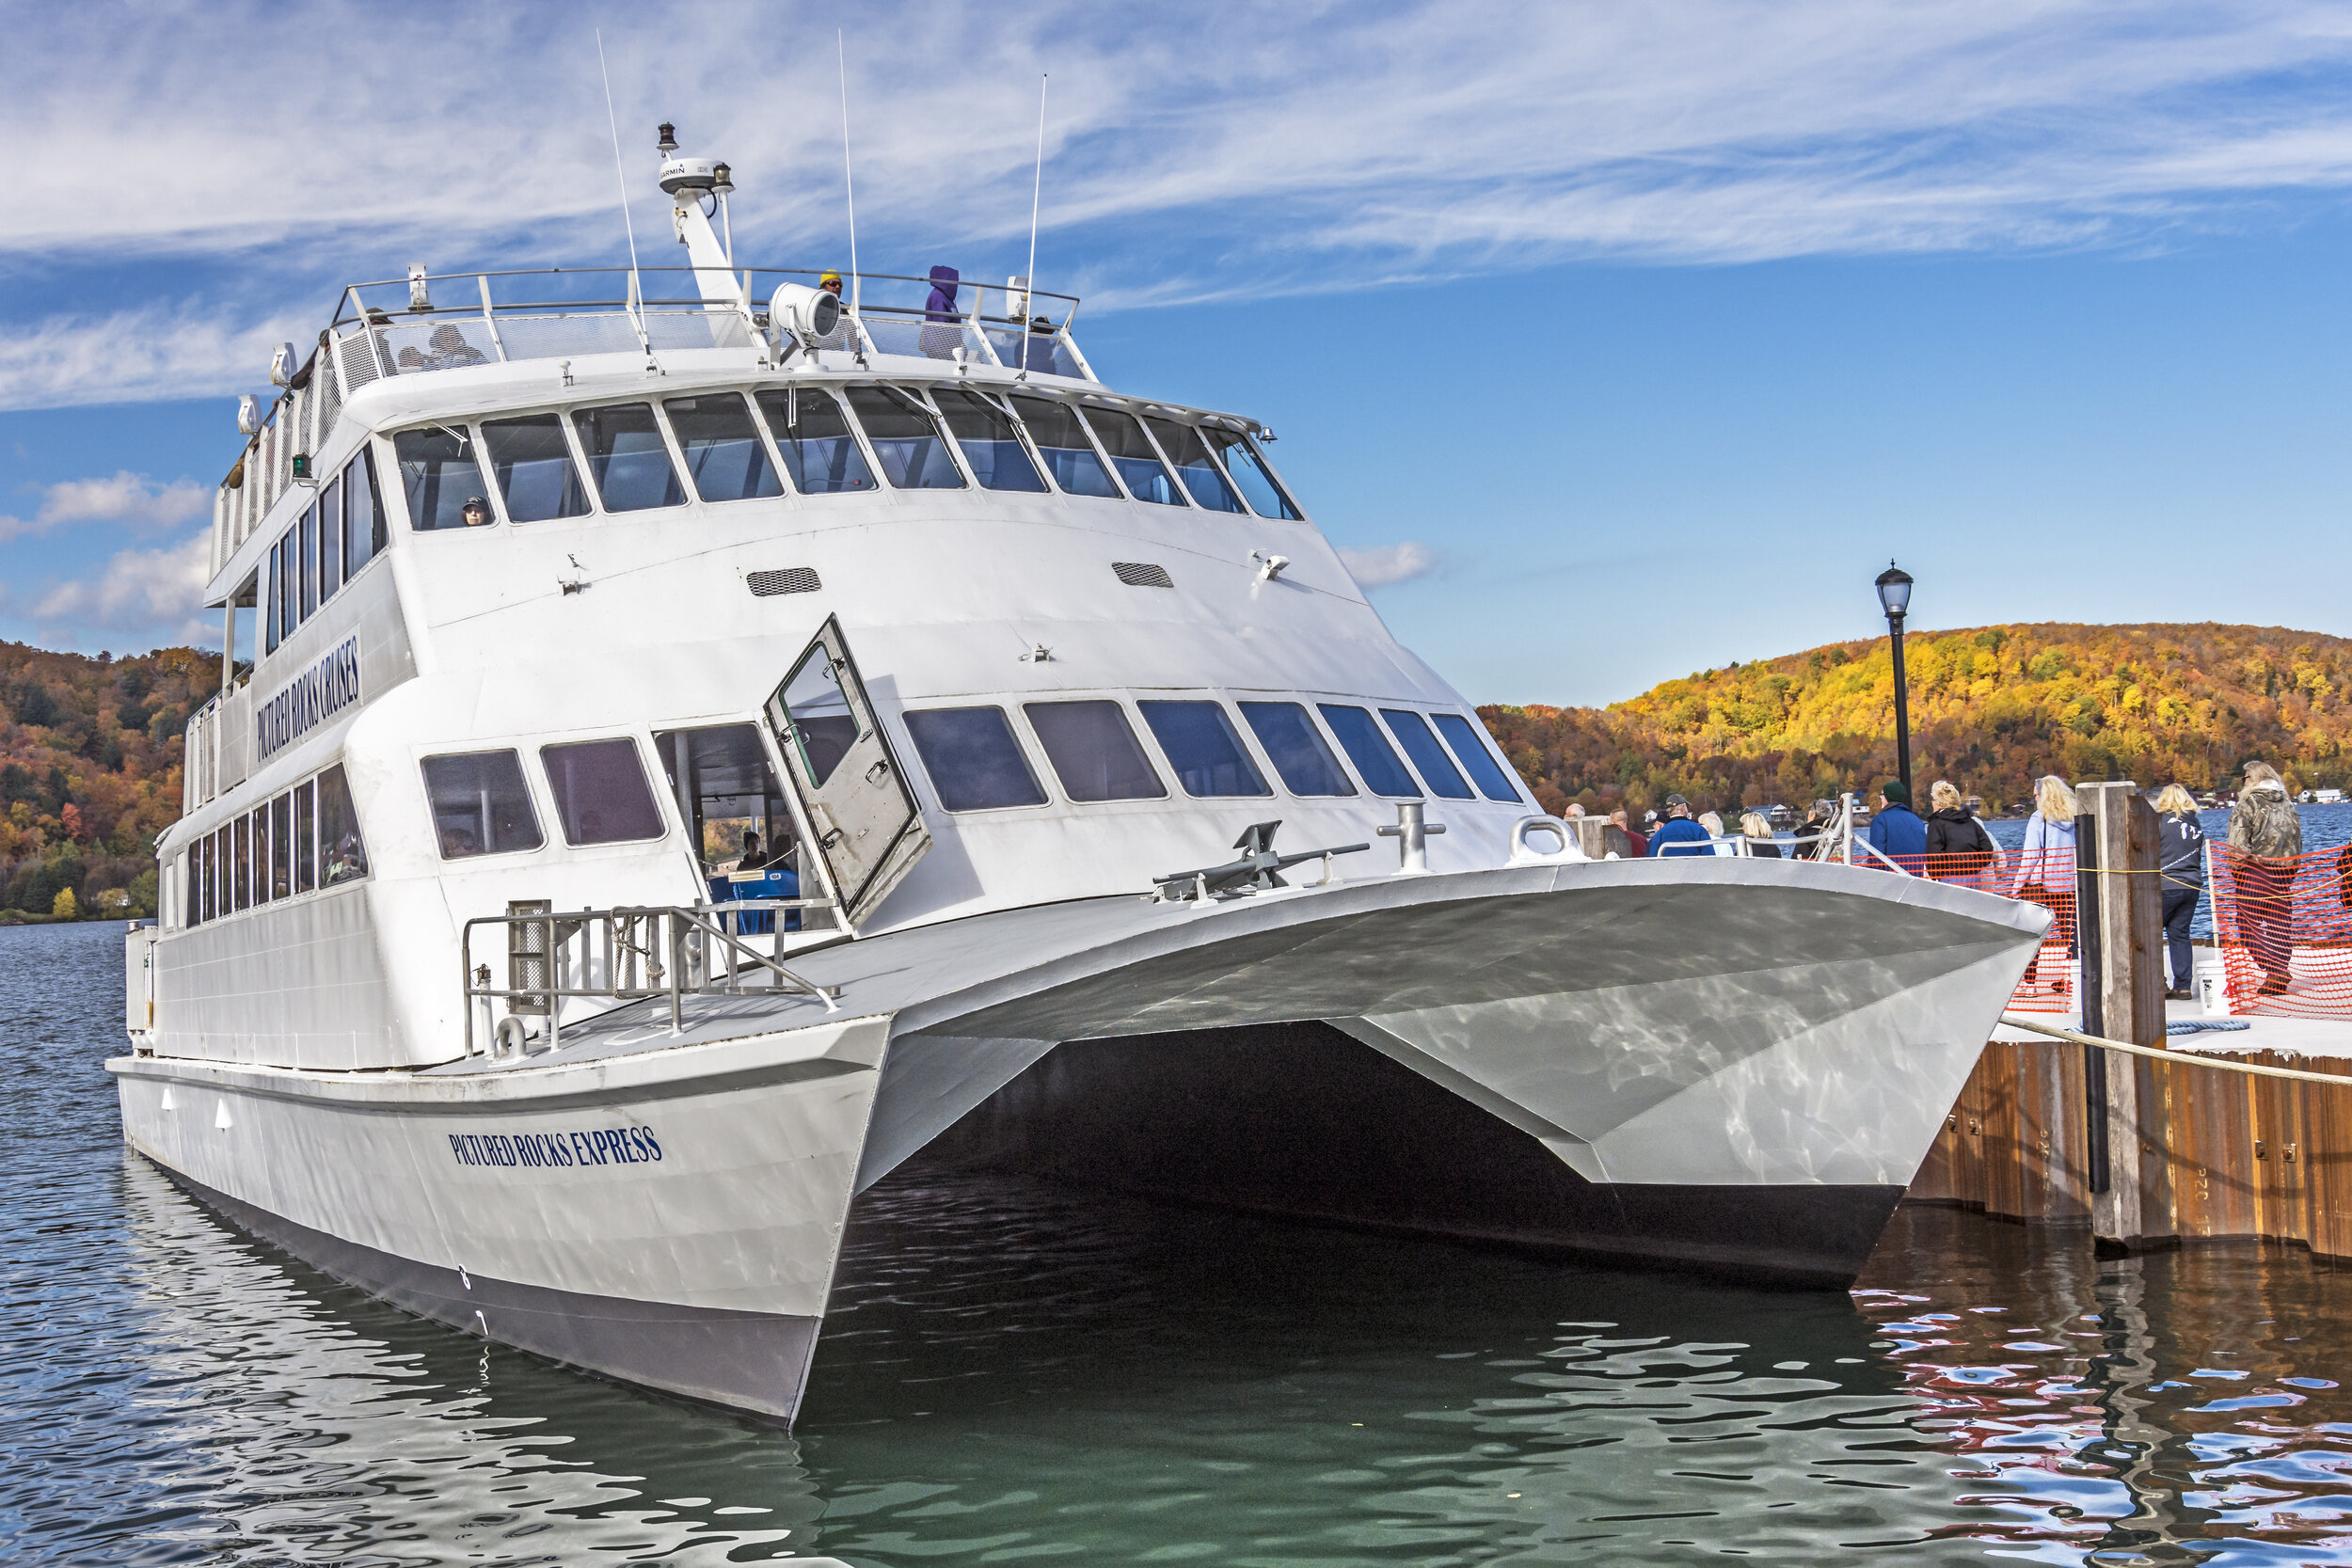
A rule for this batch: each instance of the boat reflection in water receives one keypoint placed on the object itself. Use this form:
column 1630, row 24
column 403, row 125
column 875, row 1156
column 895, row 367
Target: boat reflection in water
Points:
column 1017, row 1368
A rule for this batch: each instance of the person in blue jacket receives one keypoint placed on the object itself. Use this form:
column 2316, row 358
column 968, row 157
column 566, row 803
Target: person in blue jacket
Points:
column 1678, row 835
column 1895, row 830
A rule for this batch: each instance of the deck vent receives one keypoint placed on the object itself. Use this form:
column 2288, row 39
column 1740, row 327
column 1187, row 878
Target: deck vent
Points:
column 1143, row 574
column 792, row 580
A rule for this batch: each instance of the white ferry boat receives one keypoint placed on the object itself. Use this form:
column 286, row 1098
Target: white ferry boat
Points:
column 475, row 989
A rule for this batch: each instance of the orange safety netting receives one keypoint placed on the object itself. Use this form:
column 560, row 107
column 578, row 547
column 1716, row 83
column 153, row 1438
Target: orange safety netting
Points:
column 2285, row 926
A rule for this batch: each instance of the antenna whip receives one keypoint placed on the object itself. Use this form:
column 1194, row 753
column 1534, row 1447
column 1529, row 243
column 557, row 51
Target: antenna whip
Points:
column 1036, row 190
column 842, row 52
column 636, row 284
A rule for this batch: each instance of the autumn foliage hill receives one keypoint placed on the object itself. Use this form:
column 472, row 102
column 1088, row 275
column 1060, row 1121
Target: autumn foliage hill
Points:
column 1991, row 709
column 89, row 773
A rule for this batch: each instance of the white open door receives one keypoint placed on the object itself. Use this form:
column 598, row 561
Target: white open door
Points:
column 861, row 815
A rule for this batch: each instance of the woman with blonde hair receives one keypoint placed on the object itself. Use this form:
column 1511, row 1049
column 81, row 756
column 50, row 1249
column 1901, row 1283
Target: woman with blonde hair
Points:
column 2265, row 842
column 2047, row 876
column 1757, row 830
column 1957, row 846
column 2181, row 872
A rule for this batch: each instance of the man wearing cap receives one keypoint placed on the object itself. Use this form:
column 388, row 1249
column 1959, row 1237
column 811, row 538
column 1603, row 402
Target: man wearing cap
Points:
column 1895, row 830
column 1678, row 835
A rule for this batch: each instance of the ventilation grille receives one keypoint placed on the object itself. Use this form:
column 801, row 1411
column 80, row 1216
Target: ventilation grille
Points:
column 792, row 580
column 1143, row 574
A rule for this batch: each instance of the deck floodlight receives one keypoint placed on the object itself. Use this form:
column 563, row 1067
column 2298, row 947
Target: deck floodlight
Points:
column 418, row 298
column 1895, row 591
column 804, row 313
column 248, row 415
column 282, row 365
column 668, row 144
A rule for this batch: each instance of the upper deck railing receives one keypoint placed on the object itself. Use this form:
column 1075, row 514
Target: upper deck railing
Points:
column 454, row 320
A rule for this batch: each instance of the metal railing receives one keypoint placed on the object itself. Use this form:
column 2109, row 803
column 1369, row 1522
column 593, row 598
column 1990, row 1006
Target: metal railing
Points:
column 622, row 955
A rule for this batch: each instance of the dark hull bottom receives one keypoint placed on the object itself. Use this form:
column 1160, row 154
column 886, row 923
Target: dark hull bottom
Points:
column 1299, row 1120
column 751, row 1362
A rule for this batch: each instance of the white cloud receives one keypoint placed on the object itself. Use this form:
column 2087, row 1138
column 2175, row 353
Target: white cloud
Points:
column 140, row 591
column 158, row 351
column 1384, row 565
column 127, row 499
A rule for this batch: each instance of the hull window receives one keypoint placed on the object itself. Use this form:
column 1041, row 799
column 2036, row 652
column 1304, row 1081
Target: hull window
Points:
column 341, row 848
column 1185, row 449
column 534, row 466
column 480, row 806
column 974, row 762
column 1204, row 749
column 905, row 439
column 627, row 457
column 439, row 474
column 1436, row 768
column 600, row 792
column 1094, row 751
column 990, row 440
column 1062, row 440
column 819, row 452
column 723, row 452
column 1249, row 471
column 1132, row 455
column 1376, row 760
column 1296, row 749
column 1460, row 734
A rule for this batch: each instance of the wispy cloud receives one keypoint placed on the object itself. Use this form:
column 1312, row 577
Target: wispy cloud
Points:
column 1384, row 565
column 145, row 593
column 140, row 355
column 127, row 499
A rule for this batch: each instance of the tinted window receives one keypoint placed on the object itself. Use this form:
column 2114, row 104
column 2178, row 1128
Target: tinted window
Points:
column 289, row 614
column 1094, row 751
column 307, row 567
column 1132, row 455
column 724, row 455
column 480, row 806
column 192, row 880
column 1062, row 440
column 991, row 441
column 1296, row 748
column 240, row 892
column 905, row 439
column 1436, row 768
column 344, row 854
column 1374, row 757
column 1185, row 449
column 975, row 763
column 1248, row 470
column 363, row 513
column 600, row 792
column 824, row 726
column 627, row 459
column 270, row 594
column 438, row 472
column 281, row 847
column 1203, row 747
column 305, row 860
column 211, row 858
column 330, row 540
column 819, row 452
column 532, row 465
column 1493, row 783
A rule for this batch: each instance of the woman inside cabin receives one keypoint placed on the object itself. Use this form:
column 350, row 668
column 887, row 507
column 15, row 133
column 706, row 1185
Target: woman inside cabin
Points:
column 2047, row 870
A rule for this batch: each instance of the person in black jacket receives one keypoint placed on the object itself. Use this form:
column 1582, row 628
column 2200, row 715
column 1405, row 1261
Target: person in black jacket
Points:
column 1957, row 846
column 2181, row 871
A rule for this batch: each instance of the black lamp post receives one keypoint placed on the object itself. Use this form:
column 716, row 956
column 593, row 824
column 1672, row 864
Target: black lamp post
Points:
column 1895, row 598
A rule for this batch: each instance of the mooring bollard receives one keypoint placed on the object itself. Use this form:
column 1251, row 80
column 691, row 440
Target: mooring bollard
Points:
column 2120, row 919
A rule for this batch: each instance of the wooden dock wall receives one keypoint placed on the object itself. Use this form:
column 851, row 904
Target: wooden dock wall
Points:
column 2219, row 1153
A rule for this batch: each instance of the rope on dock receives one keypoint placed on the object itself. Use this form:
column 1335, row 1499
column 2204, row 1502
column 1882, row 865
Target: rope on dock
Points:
column 2335, row 1080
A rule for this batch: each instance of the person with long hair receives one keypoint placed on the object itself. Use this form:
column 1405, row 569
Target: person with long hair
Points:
column 1958, row 849
column 2267, row 840
column 2046, row 870
column 1757, row 830
column 2181, row 872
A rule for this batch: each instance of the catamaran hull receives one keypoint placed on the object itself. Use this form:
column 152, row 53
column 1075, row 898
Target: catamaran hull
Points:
column 1719, row 1065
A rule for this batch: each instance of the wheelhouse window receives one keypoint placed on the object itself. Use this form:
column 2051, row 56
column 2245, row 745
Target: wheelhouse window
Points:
column 1061, row 439
column 990, row 440
column 1247, row 466
column 905, row 439
column 1204, row 749
column 1460, row 734
column 1138, row 465
column 480, row 806
column 1190, row 454
column 1437, row 769
column 1094, row 751
column 1376, row 760
column 363, row 513
column 600, row 792
column 628, row 458
column 330, row 539
column 342, row 850
column 532, row 464
column 439, row 475
column 820, row 452
column 724, row 455
column 1296, row 749
column 974, row 761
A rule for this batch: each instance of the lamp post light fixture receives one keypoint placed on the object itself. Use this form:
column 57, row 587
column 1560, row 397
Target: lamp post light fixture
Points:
column 1895, row 598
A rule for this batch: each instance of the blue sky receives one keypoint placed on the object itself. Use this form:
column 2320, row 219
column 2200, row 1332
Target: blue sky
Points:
column 1619, row 342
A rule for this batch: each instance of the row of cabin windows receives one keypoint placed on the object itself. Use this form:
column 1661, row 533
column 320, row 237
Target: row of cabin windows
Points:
column 977, row 762
column 739, row 448
column 306, row 839
column 340, row 533
column 482, row 807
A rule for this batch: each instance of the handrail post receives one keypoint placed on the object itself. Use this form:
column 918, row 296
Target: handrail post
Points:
column 677, row 965
column 1844, row 817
